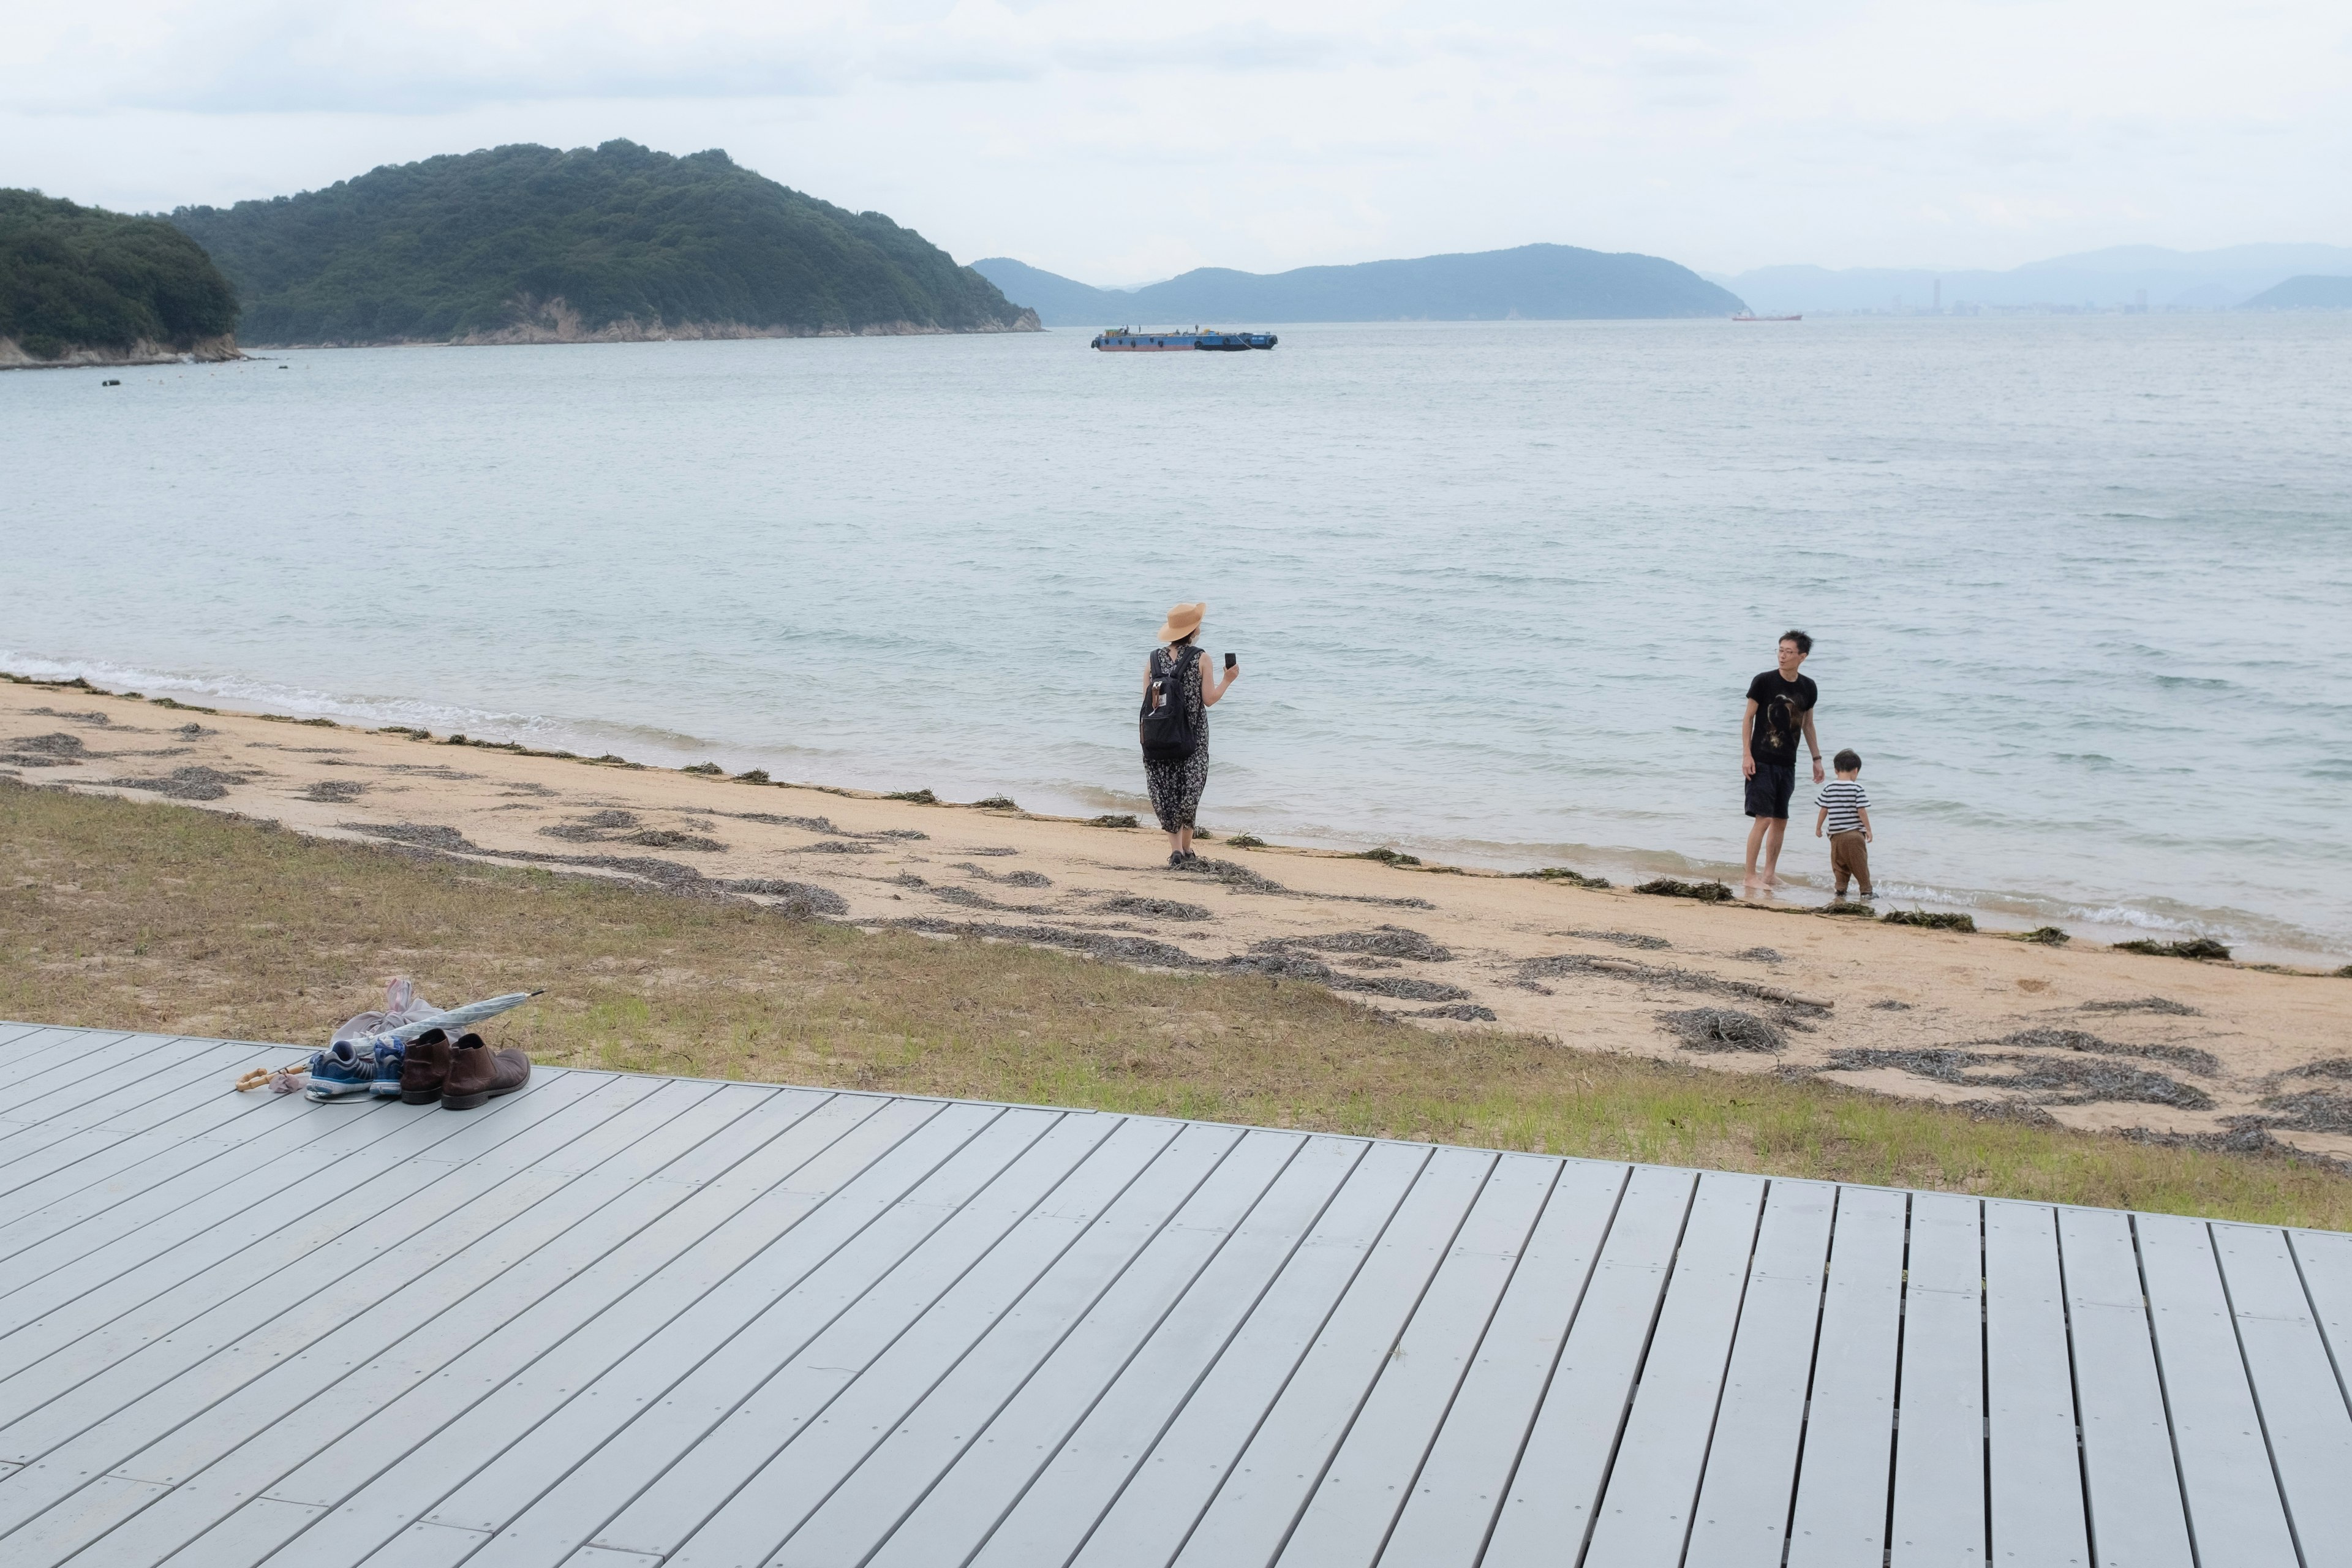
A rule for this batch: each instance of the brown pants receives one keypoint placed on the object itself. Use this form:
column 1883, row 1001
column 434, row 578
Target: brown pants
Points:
column 1850, row 857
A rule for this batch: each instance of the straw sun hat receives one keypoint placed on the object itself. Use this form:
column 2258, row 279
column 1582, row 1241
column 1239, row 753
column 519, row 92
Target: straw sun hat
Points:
column 1183, row 621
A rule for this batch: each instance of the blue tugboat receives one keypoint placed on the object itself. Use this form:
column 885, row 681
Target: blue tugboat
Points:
column 1127, row 339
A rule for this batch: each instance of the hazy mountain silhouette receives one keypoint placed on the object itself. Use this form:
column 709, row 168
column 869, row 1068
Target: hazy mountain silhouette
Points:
column 1533, row 282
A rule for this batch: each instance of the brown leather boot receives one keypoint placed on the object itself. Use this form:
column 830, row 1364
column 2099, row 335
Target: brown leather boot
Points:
column 477, row 1073
column 423, row 1068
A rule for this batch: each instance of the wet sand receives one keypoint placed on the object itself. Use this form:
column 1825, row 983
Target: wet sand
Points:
column 2088, row 1037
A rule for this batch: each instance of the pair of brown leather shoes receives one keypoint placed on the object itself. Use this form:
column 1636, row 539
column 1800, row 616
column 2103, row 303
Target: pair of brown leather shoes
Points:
column 460, row 1075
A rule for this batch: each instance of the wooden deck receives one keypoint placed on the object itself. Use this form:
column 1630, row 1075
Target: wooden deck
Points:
column 622, row 1320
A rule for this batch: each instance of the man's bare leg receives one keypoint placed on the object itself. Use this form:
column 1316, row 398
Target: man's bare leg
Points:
column 1774, row 826
column 1756, row 825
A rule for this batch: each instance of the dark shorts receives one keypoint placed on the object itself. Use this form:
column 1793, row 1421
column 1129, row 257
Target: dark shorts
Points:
column 1769, row 787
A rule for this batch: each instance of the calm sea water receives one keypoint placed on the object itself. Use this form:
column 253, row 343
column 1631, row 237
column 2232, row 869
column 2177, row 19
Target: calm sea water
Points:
column 2081, row 586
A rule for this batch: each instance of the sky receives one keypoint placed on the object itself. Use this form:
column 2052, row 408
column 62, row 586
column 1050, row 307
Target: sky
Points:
column 1119, row 144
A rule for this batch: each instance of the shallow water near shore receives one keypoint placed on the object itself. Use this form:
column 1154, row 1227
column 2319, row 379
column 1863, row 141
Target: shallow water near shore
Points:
column 2078, row 582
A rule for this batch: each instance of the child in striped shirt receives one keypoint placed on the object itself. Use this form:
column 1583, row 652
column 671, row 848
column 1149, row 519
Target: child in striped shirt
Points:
column 1845, row 815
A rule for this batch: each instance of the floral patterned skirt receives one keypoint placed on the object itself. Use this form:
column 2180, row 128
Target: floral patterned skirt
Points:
column 1176, row 788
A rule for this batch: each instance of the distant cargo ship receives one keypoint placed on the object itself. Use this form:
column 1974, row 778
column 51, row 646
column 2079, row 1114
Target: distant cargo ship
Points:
column 1127, row 339
column 1747, row 316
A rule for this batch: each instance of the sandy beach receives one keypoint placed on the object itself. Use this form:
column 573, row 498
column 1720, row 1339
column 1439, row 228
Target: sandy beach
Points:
column 2088, row 1037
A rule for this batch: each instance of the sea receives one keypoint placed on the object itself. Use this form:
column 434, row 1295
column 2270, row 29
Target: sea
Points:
column 2079, row 585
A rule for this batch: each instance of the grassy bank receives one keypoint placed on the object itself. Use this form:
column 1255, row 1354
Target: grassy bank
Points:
column 162, row 918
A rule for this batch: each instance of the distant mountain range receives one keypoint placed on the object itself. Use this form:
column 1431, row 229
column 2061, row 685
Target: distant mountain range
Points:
column 1533, row 282
column 2125, row 277
column 527, row 244
column 2305, row 293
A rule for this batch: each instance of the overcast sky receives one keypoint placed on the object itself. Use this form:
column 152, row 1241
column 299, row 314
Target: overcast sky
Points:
column 1118, row 144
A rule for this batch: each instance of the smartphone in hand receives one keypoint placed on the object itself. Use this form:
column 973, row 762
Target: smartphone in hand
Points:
column 1231, row 661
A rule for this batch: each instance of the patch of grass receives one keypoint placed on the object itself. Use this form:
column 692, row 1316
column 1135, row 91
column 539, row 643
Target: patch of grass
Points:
column 2195, row 947
column 134, row 915
column 1932, row 921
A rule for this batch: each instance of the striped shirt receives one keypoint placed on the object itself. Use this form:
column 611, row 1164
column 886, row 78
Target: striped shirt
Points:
column 1845, row 801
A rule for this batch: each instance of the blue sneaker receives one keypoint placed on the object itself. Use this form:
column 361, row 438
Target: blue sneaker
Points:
column 339, row 1073
column 389, row 1060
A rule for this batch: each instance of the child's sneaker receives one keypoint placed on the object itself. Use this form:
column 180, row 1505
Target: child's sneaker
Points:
column 339, row 1073
column 389, row 1060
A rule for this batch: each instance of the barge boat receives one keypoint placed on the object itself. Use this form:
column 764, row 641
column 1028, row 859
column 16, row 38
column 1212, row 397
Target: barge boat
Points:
column 1132, row 340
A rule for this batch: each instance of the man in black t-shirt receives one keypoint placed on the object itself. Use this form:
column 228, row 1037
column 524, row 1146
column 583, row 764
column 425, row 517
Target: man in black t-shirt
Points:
column 1779, row 709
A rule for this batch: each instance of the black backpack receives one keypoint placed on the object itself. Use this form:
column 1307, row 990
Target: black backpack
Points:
column 1166, row 723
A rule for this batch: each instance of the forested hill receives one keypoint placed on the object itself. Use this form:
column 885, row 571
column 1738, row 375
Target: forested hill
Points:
column 1533, row 282
column 82, row 283
column 527, row 244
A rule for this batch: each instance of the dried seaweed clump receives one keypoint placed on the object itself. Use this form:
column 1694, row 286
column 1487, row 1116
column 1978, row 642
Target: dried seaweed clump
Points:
column 2143, row 1005
column 2058, row 1080
column 2195, row 947
column 2311, row 1111
column 1639, row 939
column 186, row 783
column 1724, row 1029
column 1240, row 841
column 1460, row 1012
column 1113, row 819
column 1846, row 907
column 334, row 792
column 2203, row 1063
column 1705, row 892
column 1010, row 878
column 1154, row 909
column 996, row 803
column 1387, row 856
column 819, row 901
column 1931, row 920
column 712, row 769
column 1562, row 874
column 914, row 796
column 2045, row 936
column 1386, row 942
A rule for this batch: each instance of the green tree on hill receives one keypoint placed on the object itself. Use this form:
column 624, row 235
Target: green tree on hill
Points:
column 74, row 277
column 480, row 244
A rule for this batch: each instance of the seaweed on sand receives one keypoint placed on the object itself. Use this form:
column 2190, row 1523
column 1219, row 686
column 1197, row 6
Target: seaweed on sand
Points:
column 914, row 796
column 2195, row 947
column 996, row 803
column 1154, row 909
column 2189, row 1057
column 2057, row 1080
column 2045, row 936
column 1242, row 841
column 710, row 769
column 54, row 751
column 1383, row 941
column 1113, row 819
column 1387, row 856
column 1460, row 1012
column 1724, row 1029
column 1241, row 879
column 1009, row 879
column 1932, row 921
column 1669, row 887
column 186, row 783
column 2311, row 1111
column 1562, row 874
column 2143, row 1005
column 1843, row 907
column 1634, row 939
column 333, row 792
column 819, row 901
column 1566, row 964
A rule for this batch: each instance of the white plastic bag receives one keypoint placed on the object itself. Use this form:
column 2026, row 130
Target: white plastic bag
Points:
column 402, row 1004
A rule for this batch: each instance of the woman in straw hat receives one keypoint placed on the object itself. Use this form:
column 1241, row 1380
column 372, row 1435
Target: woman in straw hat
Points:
column 1174, row 671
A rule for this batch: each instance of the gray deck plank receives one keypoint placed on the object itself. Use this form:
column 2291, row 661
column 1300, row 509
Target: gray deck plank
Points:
column 74, row 1098
column 572, row 1474
column 619, row 1323
column 1645, row 1512
column 1939, row 1454
column 1348, row 1517
column 141, row 1265
column 1839, row 1520
column 2235, row 1512
column 302, row 1415
column 910, row 1409
column 1266, row 1485
column 1742, row 1519
column 335, row 1317
column 1184, row 1466
column 861, row 1371
column 2035, row 1462
column 2324, row 1260
column 1053, row 1461
column 941, row 1477
column 1445, row 1522
column 1554, row 1491
column 2303, row 1406
column 2129, row 1472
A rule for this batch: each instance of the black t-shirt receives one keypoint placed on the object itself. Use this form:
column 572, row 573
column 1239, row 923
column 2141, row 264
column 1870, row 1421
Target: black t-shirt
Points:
column 1780, row 710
